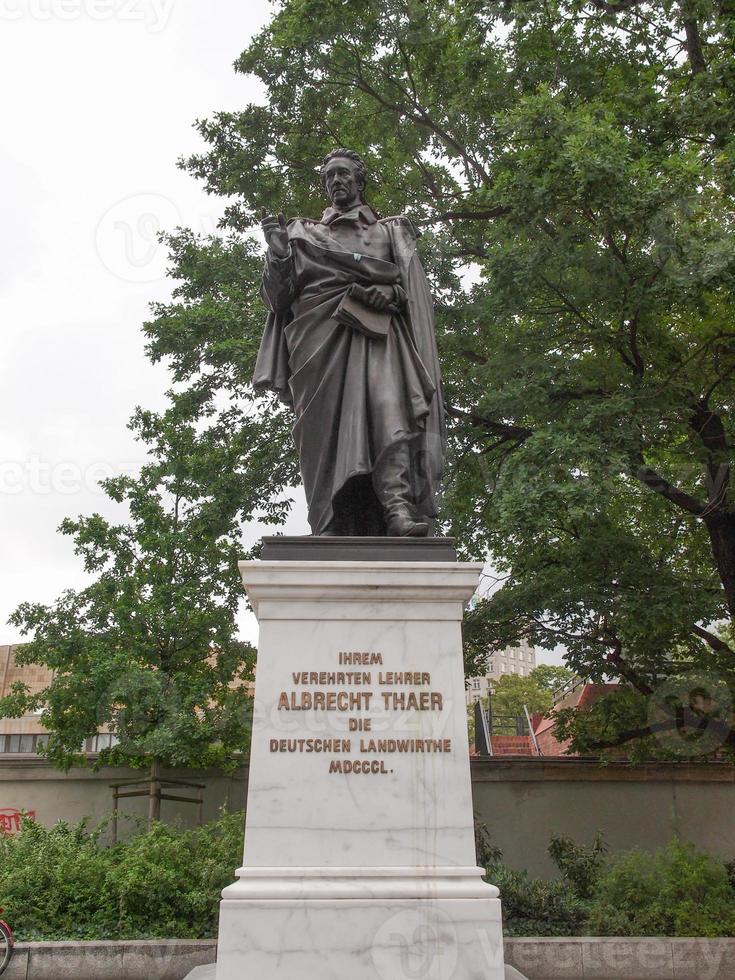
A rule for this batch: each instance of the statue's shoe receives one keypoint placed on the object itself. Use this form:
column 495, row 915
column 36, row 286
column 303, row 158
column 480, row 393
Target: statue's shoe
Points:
column 402, row 526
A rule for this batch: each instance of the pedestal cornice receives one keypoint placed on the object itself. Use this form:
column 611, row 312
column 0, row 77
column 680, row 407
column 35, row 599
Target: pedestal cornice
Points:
column 327, row 582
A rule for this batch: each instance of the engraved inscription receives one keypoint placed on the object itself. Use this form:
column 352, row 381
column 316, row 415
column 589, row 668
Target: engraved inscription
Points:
column 407, row 692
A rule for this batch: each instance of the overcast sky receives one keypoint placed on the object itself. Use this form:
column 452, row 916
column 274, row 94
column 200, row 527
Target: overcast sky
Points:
column 99, row 101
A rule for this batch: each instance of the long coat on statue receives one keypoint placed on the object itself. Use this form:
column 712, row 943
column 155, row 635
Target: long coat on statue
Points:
column 354, row 397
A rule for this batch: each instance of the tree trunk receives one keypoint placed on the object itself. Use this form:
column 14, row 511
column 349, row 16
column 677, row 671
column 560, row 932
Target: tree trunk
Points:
column 154, row 799
column 721, row 528
column 718, row 517
column 694, row 46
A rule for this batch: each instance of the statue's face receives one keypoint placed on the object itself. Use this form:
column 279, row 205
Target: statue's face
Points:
column 342, row 183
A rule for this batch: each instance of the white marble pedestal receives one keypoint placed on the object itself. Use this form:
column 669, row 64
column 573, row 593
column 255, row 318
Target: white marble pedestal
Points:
column 359, row 843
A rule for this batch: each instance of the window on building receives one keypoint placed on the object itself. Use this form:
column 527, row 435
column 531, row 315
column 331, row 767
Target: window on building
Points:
column 104, row 740
column 26, row 744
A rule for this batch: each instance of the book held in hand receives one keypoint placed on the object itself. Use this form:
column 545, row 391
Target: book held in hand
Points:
column 352, row 313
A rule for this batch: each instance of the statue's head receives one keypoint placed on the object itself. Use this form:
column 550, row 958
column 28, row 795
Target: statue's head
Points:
column 344, row 177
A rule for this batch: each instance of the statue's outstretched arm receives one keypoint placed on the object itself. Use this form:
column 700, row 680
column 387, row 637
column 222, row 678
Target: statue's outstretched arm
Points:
column 278, row 288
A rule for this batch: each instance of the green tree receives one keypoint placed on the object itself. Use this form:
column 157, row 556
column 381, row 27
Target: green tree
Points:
column 577, row 157
column 551, row 677
column 149, row 649
column 512, row 692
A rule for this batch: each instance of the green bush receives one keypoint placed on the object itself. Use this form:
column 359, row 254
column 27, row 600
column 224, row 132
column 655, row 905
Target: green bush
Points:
column 531, row 906
column 580, row 865
column 53, row 882
column 730, row 865
column 678, row 891
column 486, row 850
column 63, row 883
column 534, row 907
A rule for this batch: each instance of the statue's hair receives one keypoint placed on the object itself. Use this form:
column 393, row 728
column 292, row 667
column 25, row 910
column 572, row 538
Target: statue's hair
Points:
column 351, row 155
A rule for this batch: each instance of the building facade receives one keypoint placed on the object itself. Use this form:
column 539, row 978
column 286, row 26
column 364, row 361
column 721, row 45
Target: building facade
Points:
column 20, row 735
column 519, row 660
column 25, row 735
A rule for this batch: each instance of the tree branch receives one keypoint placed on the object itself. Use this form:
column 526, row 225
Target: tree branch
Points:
column 567, row 302
column 711, row 390
column 497, row 428
column 638, row 364
column 496, row 212
column 712, row 640
column 414, row 110
column 653, row 481
column 624, row 670
column 728, row 736
column 617, row 7
column 578, row 395
column 470, row 355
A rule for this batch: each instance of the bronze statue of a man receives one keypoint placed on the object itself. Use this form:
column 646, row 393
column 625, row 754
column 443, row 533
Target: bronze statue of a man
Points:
column 350, row 345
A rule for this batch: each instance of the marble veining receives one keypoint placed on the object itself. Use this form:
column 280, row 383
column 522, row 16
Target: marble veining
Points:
column 359, row 856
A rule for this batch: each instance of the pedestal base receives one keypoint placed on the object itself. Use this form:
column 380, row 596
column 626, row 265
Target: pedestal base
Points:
column 210, row 973
column 443, row 939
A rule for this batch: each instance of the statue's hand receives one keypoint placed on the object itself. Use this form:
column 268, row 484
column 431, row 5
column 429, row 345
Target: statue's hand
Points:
column 378, row 297
column 276, row 233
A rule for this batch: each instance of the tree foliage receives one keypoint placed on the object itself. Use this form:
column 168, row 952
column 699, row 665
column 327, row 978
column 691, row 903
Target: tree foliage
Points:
column 551, row 676
column 571, row 165
column 149, row 649
column 511, row 693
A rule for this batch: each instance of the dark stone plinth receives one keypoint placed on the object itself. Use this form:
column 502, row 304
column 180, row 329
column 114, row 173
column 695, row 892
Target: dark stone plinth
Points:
column 309, row 548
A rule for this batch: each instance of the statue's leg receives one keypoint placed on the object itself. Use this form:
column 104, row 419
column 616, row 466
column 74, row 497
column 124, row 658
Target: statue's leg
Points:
column 333, row 529
column 392, row 483
column 357, row 510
